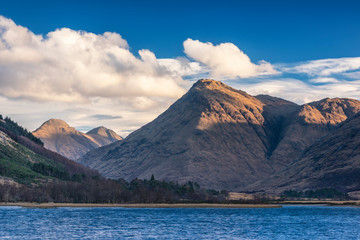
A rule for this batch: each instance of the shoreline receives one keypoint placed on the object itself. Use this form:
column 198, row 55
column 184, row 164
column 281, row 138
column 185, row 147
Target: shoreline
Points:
column 138, row 205
column 334, row 203
column 355, row 203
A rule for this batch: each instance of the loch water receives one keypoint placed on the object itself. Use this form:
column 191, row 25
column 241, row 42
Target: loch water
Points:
column 288, row 222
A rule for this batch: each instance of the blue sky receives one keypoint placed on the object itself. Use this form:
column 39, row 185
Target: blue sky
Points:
column 128, row 61
column 277, row 31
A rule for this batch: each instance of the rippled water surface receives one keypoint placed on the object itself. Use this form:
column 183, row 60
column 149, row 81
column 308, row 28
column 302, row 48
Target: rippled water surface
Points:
column 289, row 222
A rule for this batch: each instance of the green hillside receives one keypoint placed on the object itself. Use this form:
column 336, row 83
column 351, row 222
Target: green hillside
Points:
column 26, row 167
column 24, row 159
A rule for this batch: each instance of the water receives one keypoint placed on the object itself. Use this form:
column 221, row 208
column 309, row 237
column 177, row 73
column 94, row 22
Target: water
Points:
column 289, row 222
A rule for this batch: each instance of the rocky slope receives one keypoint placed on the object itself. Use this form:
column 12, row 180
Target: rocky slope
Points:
column 221, row 138
column 333, row 161
column 309, row 123
column 59, row 137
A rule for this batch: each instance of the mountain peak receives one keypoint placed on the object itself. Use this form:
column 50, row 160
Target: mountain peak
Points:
column 211, row 89
column 208, row 83
column 104, row 132
column 56, row 123
column 97, row 130
column 53, row 126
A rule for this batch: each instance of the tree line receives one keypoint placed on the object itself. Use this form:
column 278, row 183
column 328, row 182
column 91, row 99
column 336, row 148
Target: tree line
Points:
column 323, row 193
column 101, row 190
column 16, row 130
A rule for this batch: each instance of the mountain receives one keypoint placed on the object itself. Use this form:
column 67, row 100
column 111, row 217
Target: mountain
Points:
column 222, row 138
column 214, row 135
column 103, row 136
column 59, row 137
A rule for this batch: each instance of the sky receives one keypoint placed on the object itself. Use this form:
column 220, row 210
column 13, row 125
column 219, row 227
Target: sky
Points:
column 121, row 63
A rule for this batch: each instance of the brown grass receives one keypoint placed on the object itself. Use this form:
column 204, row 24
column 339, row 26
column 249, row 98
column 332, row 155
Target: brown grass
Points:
column 141, row 205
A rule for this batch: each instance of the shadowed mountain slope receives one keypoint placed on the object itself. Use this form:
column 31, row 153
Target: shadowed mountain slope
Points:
column 333, row 161
column 312, row 121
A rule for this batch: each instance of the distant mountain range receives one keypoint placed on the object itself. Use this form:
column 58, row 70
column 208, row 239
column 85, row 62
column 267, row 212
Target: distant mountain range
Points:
column 224, row 138
column 59, row 137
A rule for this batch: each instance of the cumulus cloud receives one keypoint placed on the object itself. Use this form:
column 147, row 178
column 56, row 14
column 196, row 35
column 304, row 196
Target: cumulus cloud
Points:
column 83, row 78
column 76, row 66
column 325, row 67
column 182, row 66
column 225, row 59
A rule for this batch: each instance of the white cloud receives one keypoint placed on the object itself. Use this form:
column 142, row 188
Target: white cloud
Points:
column 75, row 66
column 352, row 75
column 182, row 66
column 73, row 75
column 325, row 67
column 300, row 92
column 337, row 77
column 324, row 80
column 225, row 59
